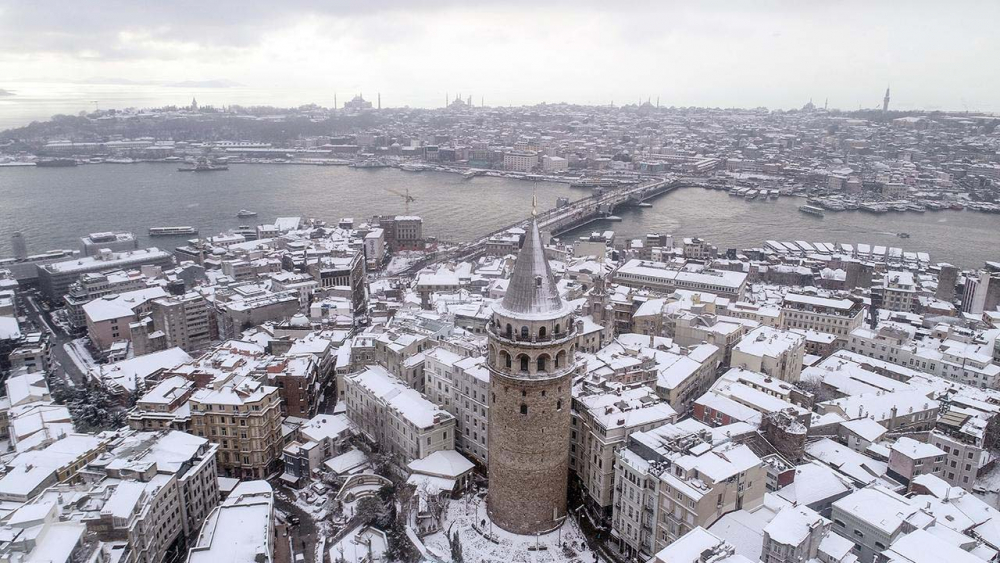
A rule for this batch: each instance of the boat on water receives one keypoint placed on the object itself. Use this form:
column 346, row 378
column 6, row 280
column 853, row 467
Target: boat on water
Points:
column 470, row 174
column 246, row 213
column 751, row 195
column 903, row 235
column 811, row 210
column 413, row 167
column 203, row 165
column 370, row 163
column 957, row 206
column 120, row 160
column 171, row 231
column 55, row 162
column 874, row 207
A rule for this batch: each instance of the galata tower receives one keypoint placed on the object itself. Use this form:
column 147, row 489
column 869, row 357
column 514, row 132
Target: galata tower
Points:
column 531, row 362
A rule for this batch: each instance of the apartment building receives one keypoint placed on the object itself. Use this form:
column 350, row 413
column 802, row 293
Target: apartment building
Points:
column 243, row 307
column 833, row 316
column 604, row 416
column 108, row 317
column 673, row 479
column 243, row 417
column 945, row 353
column 239, row 529
column 171, row 485
column 298, row 382
column 94, row 285
column 776, row 353
column 908, row 459
column 397, row 418
column 184, row 321
column 873, row 518
column 460, row 384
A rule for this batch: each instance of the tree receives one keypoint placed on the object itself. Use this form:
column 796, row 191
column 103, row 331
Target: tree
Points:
column 456, row 548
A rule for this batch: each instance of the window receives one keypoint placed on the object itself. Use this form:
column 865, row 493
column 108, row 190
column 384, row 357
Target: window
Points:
column 542, row 360
column 541, row 333
column 524, row 408
column 524, row 333
column 524, row 363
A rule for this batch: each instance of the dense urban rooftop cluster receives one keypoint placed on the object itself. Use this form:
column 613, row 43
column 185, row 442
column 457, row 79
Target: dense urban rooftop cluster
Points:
column 377, row 396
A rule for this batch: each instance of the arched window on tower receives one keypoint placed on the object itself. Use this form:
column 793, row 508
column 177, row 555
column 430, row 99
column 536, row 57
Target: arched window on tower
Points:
column 524, row 363
column 559, row 405
column 524, row 408
column 510, row 331
column 541, row 333
column 560, row 358
column 542, row 363
column 557, row 329
column 505, row 359
column 524, row 333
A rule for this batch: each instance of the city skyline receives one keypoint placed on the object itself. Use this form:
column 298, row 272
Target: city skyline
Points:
column 777, row 55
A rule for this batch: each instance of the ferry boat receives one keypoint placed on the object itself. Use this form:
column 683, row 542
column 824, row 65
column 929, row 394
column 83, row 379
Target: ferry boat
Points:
column 245, row 213
column 413, row 167
column 203, row 166
column 811, row 210
column 370, row 163
column 171, row 231
column 750, row 195
column 470, row 174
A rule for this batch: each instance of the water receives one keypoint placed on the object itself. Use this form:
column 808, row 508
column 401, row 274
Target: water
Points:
column 53, row 207
column 963, row 238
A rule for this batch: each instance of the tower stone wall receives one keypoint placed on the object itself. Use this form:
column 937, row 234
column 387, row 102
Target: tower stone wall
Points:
column 532, row 360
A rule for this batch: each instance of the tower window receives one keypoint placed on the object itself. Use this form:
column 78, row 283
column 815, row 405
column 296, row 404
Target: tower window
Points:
column 524, row 333
column 559, row 405
column 524, row 408
column 541, row 332
column 510, row 331
column 542, row 360
column 524, row 363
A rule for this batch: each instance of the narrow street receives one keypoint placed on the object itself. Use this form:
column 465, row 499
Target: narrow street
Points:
column 301, row 537
column 40, row 320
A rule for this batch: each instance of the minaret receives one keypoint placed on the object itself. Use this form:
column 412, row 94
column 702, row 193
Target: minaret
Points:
column 531, row 361
column 335, row 102
column 885, row 100
column 380, row 100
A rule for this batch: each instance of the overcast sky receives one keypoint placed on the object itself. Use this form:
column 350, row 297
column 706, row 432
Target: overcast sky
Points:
column 934, row 54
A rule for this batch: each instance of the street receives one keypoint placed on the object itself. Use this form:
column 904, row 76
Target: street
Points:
column 40, row 320
column 293, row 539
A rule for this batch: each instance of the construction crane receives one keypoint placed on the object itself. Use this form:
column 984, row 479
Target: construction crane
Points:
column 407, row 198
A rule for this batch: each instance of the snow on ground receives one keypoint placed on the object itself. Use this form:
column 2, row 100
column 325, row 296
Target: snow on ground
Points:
column 77, row 351
column 402, row 260
column 308, row 501
column 507, row 547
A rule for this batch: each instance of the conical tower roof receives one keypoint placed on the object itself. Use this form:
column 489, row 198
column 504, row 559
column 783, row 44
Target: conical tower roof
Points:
column 532, row 290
